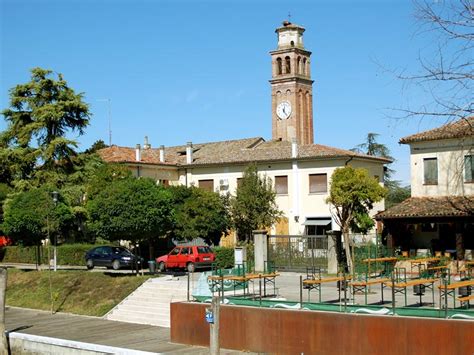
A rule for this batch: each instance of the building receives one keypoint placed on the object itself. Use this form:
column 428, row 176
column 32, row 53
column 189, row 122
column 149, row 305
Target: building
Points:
column 300, row 169
column 439, row 215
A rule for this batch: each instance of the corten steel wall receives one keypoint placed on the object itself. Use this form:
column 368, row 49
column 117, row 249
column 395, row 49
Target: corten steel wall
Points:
column 311, row 332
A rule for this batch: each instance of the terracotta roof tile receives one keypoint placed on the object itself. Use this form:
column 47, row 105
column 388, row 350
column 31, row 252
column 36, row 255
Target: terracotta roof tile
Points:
column 445, row 206
column 230, row 152
column 459, row 129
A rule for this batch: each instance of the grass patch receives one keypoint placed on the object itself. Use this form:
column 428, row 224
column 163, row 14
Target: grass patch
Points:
column 79, row 292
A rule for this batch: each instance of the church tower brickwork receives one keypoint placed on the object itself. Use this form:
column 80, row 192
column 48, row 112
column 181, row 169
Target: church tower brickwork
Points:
column 292, row 87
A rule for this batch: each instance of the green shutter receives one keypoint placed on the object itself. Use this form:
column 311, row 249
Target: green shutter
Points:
column 430, row 166
column 469, row 168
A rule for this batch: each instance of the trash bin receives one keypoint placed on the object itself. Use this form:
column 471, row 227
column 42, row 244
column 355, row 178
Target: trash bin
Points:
column 152, row 266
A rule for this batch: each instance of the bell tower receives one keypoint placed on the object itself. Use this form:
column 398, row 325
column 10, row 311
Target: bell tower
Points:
column 292, row 87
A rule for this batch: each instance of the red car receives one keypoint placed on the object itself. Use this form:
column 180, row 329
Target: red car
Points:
column 189, row 257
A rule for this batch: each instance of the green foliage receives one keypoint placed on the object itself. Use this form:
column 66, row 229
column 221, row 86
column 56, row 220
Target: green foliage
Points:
column 97, row 145
column 68, row 254
column 200, row 214
column 254, row 205
column 374, row 148
column 224, row 257
column 353, row 193
column 79, row 292
column 131, row 209
column 31, row 215
column 396, row 194
column 42, row 112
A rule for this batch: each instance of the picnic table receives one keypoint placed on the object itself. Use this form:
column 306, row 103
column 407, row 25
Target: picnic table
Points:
column 450, row 289
column 315, row 284
column 362, row 286
column 421, row 262
column 401, row 287
column 243, row 280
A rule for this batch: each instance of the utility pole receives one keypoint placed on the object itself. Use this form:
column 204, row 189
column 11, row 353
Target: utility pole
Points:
column 3, row 288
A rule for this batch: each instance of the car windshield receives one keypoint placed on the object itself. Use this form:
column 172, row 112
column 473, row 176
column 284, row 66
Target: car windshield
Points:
column 204, row 250
column 120, row 250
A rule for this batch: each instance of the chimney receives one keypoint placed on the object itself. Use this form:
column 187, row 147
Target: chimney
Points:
column 138, row 153
column 189, row 153
column 146, row 145
column 294, row 148
column 162, row 153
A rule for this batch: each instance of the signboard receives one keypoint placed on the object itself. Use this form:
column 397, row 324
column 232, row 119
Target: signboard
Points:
column 209, row 316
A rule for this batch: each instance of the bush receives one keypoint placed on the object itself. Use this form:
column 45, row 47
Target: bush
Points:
column 68, row 254
column 224, row 257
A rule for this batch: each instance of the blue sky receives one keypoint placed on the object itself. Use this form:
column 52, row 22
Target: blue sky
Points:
column 180, row 71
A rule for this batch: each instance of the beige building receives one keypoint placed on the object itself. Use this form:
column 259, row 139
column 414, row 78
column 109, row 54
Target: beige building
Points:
column 440, row 213
column 299, row 169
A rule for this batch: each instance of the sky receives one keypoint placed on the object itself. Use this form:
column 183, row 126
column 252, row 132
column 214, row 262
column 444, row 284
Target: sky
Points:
column 180, row 71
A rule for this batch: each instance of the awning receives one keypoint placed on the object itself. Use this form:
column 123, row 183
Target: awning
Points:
column 316, row 222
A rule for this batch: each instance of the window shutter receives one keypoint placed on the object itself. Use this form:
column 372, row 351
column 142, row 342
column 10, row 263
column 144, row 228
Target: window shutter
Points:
column 469, row 168
column 281, row 185
column 430, row 166
column 206, row 185
column 318, row 183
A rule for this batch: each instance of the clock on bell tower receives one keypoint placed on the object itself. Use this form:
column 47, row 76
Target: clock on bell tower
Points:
column 292, row 87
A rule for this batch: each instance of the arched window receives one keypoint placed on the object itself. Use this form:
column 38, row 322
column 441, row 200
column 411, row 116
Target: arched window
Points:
column 298, row 65
column 292, row 43
column 279, row 66
column 303, row 71
column 287, row 65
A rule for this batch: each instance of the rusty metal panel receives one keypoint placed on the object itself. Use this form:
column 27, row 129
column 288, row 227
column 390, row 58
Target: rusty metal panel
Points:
column 289, row 331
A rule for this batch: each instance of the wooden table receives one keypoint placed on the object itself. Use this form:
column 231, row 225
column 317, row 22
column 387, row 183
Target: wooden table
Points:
column 401, row 287
column 450, row 289
column 388, row 262
column 311, row 284
column 242, row 280
column 363, row 285
column 419, row 262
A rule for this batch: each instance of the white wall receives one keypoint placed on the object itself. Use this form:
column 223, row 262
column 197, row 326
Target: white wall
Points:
column 450, row 154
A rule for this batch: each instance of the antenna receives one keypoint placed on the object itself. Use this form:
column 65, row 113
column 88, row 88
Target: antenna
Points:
column 109, row 104
column 289, row 16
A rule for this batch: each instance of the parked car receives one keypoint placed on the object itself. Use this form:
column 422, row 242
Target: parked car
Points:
column 110, row 257
column 188, row 257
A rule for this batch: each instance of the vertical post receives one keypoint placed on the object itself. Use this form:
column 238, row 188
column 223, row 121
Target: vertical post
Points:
column 214, row 327
column 393, row 292
column 261, row 249
column 345, row 290
column 3, row 288
column 260, row 288
column 187, row 296
column 446, row 298
column 301, row 292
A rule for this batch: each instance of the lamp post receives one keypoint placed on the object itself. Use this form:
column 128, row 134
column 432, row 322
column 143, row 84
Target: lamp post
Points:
column 55, row 200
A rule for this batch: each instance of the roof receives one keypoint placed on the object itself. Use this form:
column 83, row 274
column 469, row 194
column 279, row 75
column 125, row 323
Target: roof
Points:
column 458, row 129
column 231, row 152
column 444, row 206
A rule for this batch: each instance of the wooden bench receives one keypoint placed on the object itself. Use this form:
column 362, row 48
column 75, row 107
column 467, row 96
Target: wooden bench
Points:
column 465, row 300
column 316, row 284
column 242, row 280
column 363, row 285
column 401, row 287
column 451, row 288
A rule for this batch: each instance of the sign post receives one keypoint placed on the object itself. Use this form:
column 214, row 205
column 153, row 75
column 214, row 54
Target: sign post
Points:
column 212, row 317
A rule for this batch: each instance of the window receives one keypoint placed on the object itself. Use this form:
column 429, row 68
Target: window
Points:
column 204, row 250
column 469, row 168
column 430, row 169
column 318, row 183
column 281, row 185
column 206, row 184
column 287, row 65
column 279, row 66
column 185, row 251
column 175, row 251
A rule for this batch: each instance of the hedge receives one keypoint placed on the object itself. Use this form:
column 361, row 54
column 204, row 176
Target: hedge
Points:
column 224, row 257
column 68, row 254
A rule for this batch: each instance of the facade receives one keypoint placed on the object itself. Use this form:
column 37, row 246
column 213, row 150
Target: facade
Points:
column 440, row 213
column 300, row 170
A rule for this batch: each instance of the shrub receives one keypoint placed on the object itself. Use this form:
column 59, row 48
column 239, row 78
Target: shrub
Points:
column 224, row 257
column 68, row 254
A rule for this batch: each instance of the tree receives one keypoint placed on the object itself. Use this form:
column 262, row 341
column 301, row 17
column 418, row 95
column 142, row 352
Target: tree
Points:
column 202, row 214
column 352, row 195
column 254, row 205
column 42, row 112
column 131, row 209
column 446, row 62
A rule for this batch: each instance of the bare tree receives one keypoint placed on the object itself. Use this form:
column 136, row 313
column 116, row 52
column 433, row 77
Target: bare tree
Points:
column 446, row 70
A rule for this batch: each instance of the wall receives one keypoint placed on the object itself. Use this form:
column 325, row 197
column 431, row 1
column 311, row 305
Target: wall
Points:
column 279, row 331
column 450, row 154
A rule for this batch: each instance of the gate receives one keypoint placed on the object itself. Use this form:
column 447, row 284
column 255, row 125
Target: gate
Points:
column 297, row 252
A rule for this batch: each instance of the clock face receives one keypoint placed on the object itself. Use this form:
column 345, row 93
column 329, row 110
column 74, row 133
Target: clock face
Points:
column 283, row 110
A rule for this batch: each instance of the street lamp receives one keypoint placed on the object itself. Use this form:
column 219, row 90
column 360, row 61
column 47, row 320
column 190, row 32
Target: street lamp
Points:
column 55, row 195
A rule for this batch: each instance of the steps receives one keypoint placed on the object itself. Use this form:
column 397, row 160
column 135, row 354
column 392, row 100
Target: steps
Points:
column 150, row 303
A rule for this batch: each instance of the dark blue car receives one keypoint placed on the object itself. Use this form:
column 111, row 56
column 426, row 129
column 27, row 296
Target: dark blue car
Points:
column 110, row 257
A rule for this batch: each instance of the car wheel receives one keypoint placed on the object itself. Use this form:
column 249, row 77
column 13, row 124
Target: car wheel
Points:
column 161, row 266
column 89, row 264
column 116, row 265
column 191, row 267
